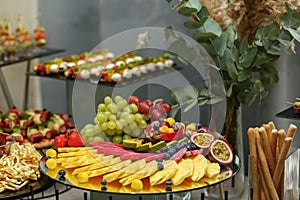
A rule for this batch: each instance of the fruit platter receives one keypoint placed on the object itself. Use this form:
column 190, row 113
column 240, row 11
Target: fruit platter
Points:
column 103, row 66
column 135, row 147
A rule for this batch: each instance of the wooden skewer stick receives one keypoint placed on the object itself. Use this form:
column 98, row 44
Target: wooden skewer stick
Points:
column 266, row 175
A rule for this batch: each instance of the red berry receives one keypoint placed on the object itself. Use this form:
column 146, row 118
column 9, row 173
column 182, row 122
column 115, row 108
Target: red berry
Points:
column 60, row 141
column 75, row 140
column 134, row 99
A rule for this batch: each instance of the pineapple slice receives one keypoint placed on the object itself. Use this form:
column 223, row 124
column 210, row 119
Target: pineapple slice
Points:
column 185, row 170
column 200, row 165
column 213, row 170
column 149, row 169
column 111, row 168
column 126, row 171
column 170, row 168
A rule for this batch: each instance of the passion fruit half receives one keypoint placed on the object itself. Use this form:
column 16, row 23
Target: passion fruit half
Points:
column 202, row 140
column 221, row 152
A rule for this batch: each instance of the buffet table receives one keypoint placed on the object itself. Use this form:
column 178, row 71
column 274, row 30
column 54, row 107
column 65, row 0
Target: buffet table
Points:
column 24, row 58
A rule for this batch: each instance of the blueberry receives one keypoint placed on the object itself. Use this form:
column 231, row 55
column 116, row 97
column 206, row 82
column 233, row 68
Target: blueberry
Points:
column 62, row 172
column 168, row 183
column 158, row 151
column 168, row 189
column 167, row 156
column 103, row 182
column 160, row 166
column 172, row 151
column 103, row 188
column 161, row 119
column 159, row 159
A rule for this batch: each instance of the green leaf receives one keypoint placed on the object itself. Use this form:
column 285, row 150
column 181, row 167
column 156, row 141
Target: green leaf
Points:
column 190, row 106
column 193, row 24
column 258, row 87
column 294, row 33
column 174, row 110
column 203, row 14
column 229, row 90
column 194, row 4
column 243, row 45
column 191, row 91
column 231, row 36
column 214, row 100
column 244, row 75
column 262, row 58
column 220, row 44
column 275, row 50
column 285, row 42
column 231, row 69
column 185, row 11
column 204, row 92
column 202, row 102
column 248, row 56
column 209, row 48
column 203, row 37
column 227, row 55
column 291, row 19
column 211, row 26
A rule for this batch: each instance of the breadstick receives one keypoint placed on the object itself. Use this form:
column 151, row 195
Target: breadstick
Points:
column 266, row 175
column 280, row 141
column 291, row 131
column 273, row 142
column 280, row 164
column 281, row 136
column 272, row 125
column 264, row 192
column 272, row 136
column 267, row 149
column 253, row 161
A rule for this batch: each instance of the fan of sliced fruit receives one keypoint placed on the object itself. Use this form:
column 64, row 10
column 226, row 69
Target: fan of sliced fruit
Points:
column 134, row 142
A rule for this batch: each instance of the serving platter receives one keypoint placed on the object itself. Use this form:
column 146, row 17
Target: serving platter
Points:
column 96, row 185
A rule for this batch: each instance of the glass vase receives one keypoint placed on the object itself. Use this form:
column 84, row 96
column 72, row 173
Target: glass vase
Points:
column 233, row 188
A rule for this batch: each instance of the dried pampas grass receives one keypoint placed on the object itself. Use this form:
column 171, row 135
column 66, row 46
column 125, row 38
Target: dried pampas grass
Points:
column 247, row 15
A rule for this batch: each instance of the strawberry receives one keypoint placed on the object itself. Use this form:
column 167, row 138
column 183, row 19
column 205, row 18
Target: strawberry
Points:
column 60, row 141
column 75, row 140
